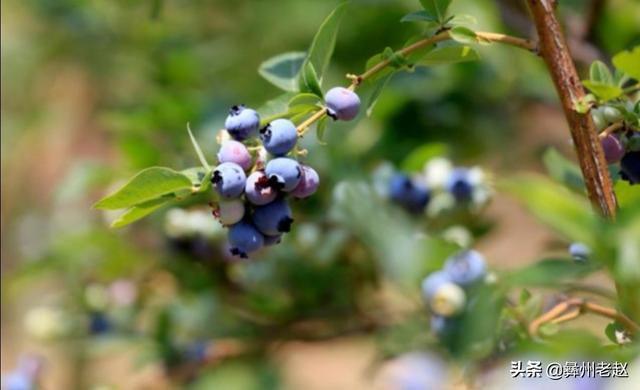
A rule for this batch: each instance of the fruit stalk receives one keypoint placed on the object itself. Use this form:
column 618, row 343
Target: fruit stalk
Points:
column 553, row 49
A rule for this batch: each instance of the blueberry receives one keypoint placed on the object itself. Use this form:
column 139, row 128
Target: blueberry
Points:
column 442, row 326
column 272, row 240
column 279, row 137
column 466, row 268
column 459, row 185
column 258, row 190
column 630, row 167
column 411, row 195
column 242, row 122
column 432, row 283
column 229, row 180
column 443, row 297
column 613, row 149
column 579, row 251
column 309, row 183
column 234, row 152
column 230, row 212
column 273, row 218
column 98, row 323
column 17, row 380
column 244, row 238
column 342, row 103
column 284, row 173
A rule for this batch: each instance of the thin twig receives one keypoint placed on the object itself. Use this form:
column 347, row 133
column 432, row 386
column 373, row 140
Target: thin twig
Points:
column 611, row 129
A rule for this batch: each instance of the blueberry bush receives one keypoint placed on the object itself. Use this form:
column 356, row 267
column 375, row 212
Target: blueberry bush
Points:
column 264, row 242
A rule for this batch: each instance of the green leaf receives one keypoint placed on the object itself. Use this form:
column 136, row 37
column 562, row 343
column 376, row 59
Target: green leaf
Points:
column 148, row 184
column 463, row 19
column 140, row 211
column 275, row 108
column 436, row 8
column 599, row 73
column 566, row 212
column 449, row 55
column 547, row 272
column 396, row 59
column 283, row 69
column 304, row 99
column 416, row 55
column 377, row 90
column 626, row 194
column 196, row 146
column 418, row 16
column 563, row 170
column 321, row 126
column 309, row 80
column 628, row 62
column 463, row 35
column 603, row 91
column 611, row 329
column 324, row 41
column 419, row 156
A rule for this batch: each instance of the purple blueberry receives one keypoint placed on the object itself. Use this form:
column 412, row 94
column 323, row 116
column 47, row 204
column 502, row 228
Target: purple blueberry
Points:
column 459, row 185
column 309, row 183
column 279, row 136
column 229, row 180
column 242, row 122
column 409, row 194
column 630, row 167
column 579, row 251
column 274, row 218
column 613, row 149
column 272, row 240
column 258, row 190
column 342, row 103
column 284, row 173
column 234, row 152
column 466, row 268
column 244, row 238
column 230, row 212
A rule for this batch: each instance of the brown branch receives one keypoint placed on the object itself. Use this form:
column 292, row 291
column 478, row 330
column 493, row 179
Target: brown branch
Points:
column 572, row 308
column 554, row 51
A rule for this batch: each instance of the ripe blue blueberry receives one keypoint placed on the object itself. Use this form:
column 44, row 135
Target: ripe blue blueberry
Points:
column 274, row 218
column 466, row 268
column 272, row 240
column 613, row 149
column 342, row 103
column 630, row 167
column 410, row 194
column 279, row 136
column 242, row 122
column 230, row 212
column 459, row 185
column 98, row 323
column 234, row 152
column 284, row 173
column 258, row 190
column 579, row 251
column 229, row 180
column 244, row 238
column 309, row 183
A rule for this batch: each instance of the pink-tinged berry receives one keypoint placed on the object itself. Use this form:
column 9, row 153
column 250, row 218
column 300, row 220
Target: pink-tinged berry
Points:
column 234, row 152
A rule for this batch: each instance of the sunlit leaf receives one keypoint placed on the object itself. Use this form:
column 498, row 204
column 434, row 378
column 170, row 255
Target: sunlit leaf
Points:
column 449, row 55
column 148, row 184
column 627, row 61
column 137, row 212
column 283, row 69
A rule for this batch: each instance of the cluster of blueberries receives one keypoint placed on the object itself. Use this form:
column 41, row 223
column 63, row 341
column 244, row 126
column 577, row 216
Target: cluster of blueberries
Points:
column 415, row 193
column 254, row 193
column 621, row 147
column 445, row 290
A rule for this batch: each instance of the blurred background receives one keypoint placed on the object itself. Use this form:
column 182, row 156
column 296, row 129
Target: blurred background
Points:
column 93, row 91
